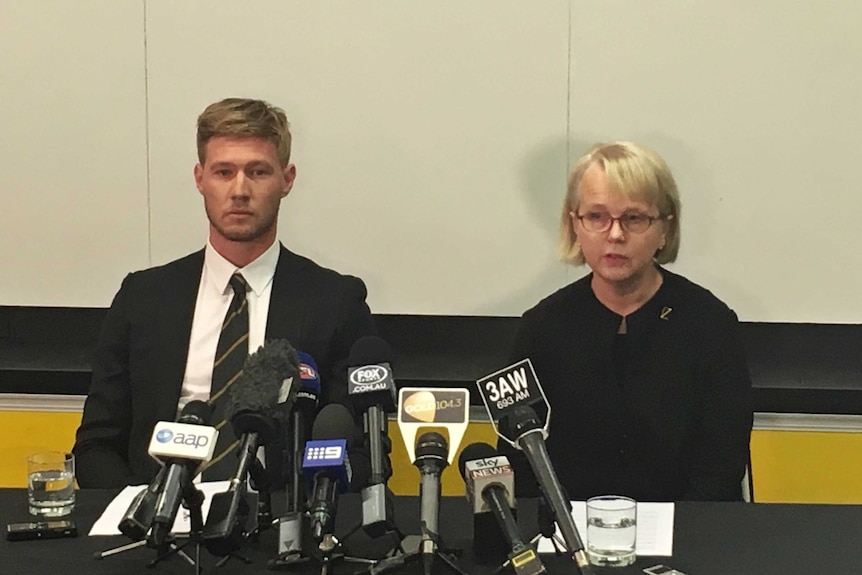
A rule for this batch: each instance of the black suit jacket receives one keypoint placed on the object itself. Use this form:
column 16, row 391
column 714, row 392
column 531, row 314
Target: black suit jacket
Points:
column 141, row 355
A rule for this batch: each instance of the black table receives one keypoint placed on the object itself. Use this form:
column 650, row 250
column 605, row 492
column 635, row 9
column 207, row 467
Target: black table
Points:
column 709, row 539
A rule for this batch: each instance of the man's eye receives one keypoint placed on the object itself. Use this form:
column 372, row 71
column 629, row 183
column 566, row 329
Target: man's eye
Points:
column 223, row 173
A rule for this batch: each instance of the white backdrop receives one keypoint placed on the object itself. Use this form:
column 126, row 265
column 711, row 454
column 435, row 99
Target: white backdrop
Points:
column 433, row 139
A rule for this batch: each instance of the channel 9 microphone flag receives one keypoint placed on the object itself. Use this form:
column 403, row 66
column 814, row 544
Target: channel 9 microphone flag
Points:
column 433, row 408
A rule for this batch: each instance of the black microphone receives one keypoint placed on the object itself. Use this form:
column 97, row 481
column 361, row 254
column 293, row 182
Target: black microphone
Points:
column 304, row 408
column 183, row 451
column 291, row 525
column 432, row 457
column 490, row 484
column 138, row 518
column 372, row 390
column 327, row 468
column 257, row 402
column 524, row 425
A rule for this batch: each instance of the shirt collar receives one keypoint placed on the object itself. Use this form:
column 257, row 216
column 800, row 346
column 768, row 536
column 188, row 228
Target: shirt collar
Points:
column 258, row 274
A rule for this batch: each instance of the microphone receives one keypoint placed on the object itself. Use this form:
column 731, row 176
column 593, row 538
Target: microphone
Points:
column 372, row 390
column 524, row 424
column 304, row 408
column 432, row 456
column 182, row 446
column 512, row 395
column 327, row 468
column 490, row 484
column 138, row 518
column 420, row 408
column 259, row 399
column 291, row 524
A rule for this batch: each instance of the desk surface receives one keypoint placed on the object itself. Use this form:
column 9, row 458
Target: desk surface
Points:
column 709, row 539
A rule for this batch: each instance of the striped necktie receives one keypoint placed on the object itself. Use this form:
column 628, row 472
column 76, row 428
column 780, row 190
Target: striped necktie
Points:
column 231, row 353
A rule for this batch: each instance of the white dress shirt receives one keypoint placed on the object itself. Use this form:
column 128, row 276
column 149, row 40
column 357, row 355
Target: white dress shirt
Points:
column 214, row 297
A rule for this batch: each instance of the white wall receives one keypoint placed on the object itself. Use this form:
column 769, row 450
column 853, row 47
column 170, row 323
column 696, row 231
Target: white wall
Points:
column 73, row 150
column 433, row 139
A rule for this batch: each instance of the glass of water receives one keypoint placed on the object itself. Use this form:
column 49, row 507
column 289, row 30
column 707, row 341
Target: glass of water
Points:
column 51, row 483
column 611, row 530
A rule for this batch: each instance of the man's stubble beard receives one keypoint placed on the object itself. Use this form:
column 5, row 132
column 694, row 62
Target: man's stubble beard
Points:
column 257, row 230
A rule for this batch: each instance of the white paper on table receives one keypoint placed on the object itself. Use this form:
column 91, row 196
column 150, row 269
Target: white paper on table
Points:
column 654, row 529
column 108, row 523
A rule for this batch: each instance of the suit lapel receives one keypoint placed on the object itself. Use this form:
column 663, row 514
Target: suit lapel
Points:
column 287, row 309
column 178, row 303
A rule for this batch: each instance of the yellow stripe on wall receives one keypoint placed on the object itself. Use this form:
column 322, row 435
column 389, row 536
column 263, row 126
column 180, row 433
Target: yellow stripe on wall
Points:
column 27, row 432
column 787, row 466
column 806, row 466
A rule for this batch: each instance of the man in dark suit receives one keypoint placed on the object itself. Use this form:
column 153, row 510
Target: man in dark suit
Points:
column 158, row 342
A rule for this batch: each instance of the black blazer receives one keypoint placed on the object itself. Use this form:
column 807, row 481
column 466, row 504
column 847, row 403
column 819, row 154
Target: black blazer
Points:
column 662, row 413
column 141, row 355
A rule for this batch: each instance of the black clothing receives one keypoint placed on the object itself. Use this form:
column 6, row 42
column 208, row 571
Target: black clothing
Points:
column 662, row 412
column 141, row 355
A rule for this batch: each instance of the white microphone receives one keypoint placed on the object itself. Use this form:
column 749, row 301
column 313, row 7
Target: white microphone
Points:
column 181, row 446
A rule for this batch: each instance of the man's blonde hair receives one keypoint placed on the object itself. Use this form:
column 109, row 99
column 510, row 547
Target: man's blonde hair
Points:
column 245, row 118
column 634, row 171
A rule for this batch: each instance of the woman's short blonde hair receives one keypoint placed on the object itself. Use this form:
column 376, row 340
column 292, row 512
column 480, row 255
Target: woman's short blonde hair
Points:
column 636, row 172
column 245, row 118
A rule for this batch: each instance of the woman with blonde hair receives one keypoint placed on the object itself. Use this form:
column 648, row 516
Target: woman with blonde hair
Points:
column 644, row 370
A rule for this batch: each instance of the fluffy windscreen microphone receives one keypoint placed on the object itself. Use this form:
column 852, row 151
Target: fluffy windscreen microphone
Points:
column 264, row 392
column 256, row 404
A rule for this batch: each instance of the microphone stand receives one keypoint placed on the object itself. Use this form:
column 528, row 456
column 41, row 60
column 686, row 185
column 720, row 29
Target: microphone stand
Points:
column 408, row 552
column 166, row 543
column 548, row 527
column 293, row 526
column 260, row 481
column 329, row 552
